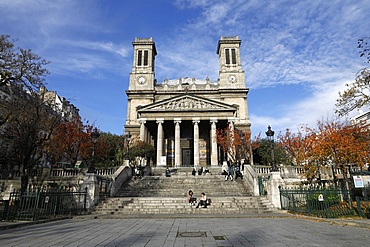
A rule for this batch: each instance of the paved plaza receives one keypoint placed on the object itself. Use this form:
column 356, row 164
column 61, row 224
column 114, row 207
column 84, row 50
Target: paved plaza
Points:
column 155, row 232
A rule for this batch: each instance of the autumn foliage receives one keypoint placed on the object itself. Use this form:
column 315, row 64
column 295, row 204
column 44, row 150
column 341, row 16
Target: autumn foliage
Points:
column 331, row 145
column 71, row 141
column 236, row 144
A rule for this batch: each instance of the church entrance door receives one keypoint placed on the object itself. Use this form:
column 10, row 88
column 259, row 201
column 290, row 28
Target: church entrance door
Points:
column 186, row 157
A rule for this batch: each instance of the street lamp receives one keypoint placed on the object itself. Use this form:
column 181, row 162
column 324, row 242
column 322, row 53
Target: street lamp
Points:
column 94, row 138
column 270, row 137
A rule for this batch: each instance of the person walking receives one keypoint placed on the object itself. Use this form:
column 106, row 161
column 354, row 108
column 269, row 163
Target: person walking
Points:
column 230, row 171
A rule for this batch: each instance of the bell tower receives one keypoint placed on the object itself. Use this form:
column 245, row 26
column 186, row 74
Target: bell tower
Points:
column 142, row 74
column 231, row 72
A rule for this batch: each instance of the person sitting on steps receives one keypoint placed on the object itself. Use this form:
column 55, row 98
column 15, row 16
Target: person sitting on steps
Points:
column 168, row 173
column 193, row 172
column 192, row 200
column 203, row 201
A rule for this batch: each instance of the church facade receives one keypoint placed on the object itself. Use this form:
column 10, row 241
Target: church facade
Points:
column 180, row 116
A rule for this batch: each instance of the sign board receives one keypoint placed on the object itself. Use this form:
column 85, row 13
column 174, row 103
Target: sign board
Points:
column 163, row 161
column 321, row 198
column 358, row 181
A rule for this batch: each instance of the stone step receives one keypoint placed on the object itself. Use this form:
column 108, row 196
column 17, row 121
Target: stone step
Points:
column 168, row 195
column 164, row 186
column 219, row 205
column 185, row 211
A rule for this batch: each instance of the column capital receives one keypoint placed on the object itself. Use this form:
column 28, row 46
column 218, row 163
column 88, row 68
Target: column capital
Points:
column 159, row 120
column 177, row 120
column 231, row 120
column 196, row 120
column 213, row 120
column 142, row 120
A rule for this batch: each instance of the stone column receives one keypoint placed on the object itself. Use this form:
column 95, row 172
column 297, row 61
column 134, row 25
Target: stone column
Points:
column 159, row 121
column 196, row 141
column 142, row 129
column 90, row 182
column 177, row 122
column 214, row 154
column 273, row 193
column 231, row 121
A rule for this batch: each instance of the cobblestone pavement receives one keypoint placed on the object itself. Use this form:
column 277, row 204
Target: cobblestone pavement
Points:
column 187, row 232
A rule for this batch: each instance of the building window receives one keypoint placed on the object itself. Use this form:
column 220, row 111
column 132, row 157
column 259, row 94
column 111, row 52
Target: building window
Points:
column 139, row 57
column 233, row 56
column 142, row 59
column 145, row 58
column 227, row 56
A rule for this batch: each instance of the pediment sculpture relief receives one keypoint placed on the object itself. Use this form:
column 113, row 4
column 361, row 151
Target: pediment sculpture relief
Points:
column 186, row 103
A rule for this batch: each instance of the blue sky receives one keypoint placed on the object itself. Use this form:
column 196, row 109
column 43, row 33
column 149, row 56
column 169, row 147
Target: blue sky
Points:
column 297, row 55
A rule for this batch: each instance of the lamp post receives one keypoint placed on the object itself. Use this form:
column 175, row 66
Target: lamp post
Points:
column 94, row 138
column 270, row 137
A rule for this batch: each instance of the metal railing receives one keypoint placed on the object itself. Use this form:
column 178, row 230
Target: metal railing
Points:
column 262, row 183
column 326, row 202
column 363, row 206
column 105, row 185
column 42, row 204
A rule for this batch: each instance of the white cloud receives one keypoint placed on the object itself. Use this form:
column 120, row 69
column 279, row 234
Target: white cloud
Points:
column 320, row 105
column 302, row 43
column 109, row 47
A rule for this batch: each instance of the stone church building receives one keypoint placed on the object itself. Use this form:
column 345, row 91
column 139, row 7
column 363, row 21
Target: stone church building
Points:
column 180, row 116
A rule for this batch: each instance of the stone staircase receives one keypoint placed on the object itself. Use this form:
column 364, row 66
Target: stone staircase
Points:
column 159, row 194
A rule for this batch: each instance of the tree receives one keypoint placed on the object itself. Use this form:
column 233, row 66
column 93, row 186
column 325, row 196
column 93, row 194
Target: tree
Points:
column 143, row 150
column 236, row 144
column 229, row 140
column 108, row 148
column 356, row 95
column 248, row 145
column 337, row 144
column 25, row 134
column 26, row 121
column 20, row 67
column 262, row 154
column 296, row 145
column 364, row 46
column 70, row 141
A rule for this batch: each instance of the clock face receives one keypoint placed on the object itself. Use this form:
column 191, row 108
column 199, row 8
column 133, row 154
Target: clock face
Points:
column 141, row 79
column 232, row 78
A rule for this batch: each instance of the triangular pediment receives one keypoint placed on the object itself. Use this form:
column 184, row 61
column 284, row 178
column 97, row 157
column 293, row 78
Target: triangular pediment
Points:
column 188, row 103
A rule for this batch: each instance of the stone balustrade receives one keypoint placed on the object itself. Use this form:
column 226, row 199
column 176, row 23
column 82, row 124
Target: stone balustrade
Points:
column 285, row 171
column 64, row 172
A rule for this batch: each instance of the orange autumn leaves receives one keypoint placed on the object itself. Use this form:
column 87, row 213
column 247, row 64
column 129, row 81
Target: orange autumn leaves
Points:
column 236, row 144
column 331, row 143
column 72, row 141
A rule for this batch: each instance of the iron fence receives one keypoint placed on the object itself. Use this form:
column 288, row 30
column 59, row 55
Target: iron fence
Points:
column 42, row 204
column 105, row 185
column 262, row 182
column 325, row 202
